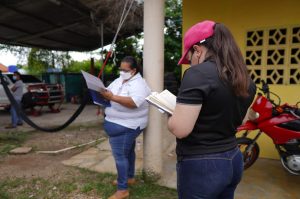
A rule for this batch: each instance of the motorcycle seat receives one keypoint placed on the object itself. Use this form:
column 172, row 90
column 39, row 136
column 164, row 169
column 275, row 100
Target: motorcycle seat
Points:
column 291, row 125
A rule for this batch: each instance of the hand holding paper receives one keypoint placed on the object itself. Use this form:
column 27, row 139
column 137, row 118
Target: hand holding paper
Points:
column 95, row 86
column 106, row 94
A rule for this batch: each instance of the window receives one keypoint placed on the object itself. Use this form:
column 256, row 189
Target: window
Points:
column 273, row 54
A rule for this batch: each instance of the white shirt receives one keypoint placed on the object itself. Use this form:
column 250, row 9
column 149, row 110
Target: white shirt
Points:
column 138, row 90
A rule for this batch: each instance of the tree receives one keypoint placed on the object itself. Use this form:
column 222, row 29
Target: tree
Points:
column 173, row 36
column 18, row 51
column 39, row 60
column 61, row 59
column 125, row 47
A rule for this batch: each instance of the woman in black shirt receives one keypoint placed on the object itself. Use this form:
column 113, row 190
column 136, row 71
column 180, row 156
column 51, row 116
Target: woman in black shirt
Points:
column 213, row 100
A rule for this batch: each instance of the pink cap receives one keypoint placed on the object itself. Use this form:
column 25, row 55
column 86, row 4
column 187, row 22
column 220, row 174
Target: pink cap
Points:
column 197, row 33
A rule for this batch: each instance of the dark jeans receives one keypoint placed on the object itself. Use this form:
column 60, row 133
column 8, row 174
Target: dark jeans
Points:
column 211, row 176
column 122, row 142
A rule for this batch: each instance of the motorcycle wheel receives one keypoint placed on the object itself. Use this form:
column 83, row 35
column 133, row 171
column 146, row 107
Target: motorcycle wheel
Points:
column 286, row 166
column 249, row 157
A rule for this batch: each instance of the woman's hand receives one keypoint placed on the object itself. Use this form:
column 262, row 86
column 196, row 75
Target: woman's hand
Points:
column 107, row 94
column 125, row 101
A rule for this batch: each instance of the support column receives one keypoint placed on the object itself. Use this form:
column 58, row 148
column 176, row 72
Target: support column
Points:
column 153, row 73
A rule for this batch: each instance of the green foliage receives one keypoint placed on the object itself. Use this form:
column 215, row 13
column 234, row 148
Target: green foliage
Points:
column 129, row 47
column 37, row 61
column 76, row 66
column 62, row 59
column 173, row 36
column 5, row 148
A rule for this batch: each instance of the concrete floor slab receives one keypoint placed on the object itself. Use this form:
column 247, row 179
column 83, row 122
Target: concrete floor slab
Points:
column 20, row 150
column 266, row 179
column 100, row 158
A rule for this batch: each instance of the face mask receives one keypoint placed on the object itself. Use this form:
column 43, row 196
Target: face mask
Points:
column 125, row 75
column 14, row 78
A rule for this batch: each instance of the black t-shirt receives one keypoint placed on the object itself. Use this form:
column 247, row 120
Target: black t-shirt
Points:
column 221, row 113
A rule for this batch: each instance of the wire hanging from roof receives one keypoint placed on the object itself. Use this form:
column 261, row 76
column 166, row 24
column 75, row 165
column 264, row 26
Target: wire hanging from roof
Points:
column 121, row 22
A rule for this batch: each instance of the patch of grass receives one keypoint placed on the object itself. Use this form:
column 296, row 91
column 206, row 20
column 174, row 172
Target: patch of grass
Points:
column 87, row 187
column 11, row 140
column 5, row 148
column 3, row 195
column 12, row 137
column 83, row 182
column 102, row 184
column 66, row 187
column 3, row 192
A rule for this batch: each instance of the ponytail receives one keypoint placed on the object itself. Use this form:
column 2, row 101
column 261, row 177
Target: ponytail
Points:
column 230, row 63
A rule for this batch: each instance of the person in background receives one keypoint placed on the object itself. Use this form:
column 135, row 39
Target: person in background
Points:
column 213, row 99
column 124, row 120
column 17, row 92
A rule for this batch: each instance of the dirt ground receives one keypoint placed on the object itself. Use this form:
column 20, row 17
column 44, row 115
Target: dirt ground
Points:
column 86, row 128
column 47, row 165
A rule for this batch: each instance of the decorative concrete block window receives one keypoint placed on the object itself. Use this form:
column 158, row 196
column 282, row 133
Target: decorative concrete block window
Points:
column 273, row 54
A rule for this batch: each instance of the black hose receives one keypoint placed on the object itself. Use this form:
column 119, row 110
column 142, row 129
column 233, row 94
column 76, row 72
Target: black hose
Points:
column 30, row 122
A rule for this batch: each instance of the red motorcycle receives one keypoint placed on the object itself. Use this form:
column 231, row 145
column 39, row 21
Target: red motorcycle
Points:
column 280, row 122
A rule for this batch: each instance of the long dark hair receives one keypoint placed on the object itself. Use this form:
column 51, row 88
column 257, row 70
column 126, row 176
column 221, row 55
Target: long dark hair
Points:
column 230, row 63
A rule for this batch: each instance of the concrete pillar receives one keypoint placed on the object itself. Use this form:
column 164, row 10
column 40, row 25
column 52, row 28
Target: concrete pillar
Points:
column 153, row 73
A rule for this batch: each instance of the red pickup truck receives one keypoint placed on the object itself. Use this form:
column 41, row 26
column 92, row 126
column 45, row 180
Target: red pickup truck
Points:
column 36, row 93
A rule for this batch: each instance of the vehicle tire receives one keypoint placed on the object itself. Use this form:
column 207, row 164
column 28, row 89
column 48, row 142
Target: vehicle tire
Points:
column 288, row 167
column 251, row 157
column 7, row 108
column 28, row 100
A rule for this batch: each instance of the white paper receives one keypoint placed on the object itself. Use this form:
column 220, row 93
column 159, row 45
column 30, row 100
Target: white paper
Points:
column 168, row 99
column 93, row 82
column 165, row 101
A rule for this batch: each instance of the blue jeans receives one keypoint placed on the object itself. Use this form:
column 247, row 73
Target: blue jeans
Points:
column 122, row 142
column 15, row 117
column 210, row 176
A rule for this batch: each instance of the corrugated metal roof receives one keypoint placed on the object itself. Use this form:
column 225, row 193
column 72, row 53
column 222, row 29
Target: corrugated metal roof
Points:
column 65, row 24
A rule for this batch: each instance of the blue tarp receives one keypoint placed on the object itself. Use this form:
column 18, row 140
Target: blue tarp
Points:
column 12, row 68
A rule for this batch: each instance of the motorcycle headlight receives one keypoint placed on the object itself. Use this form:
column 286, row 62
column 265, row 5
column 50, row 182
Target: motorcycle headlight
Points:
column 253, row 115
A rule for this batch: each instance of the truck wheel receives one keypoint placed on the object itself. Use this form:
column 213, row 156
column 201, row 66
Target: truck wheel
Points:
column 28, row 100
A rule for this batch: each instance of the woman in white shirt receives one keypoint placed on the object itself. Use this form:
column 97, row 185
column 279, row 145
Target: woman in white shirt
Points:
column 125, row 119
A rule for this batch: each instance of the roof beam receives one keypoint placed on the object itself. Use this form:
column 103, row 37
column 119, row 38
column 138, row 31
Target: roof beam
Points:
column 28, row 33
column 38, row 19
column 53, row 30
